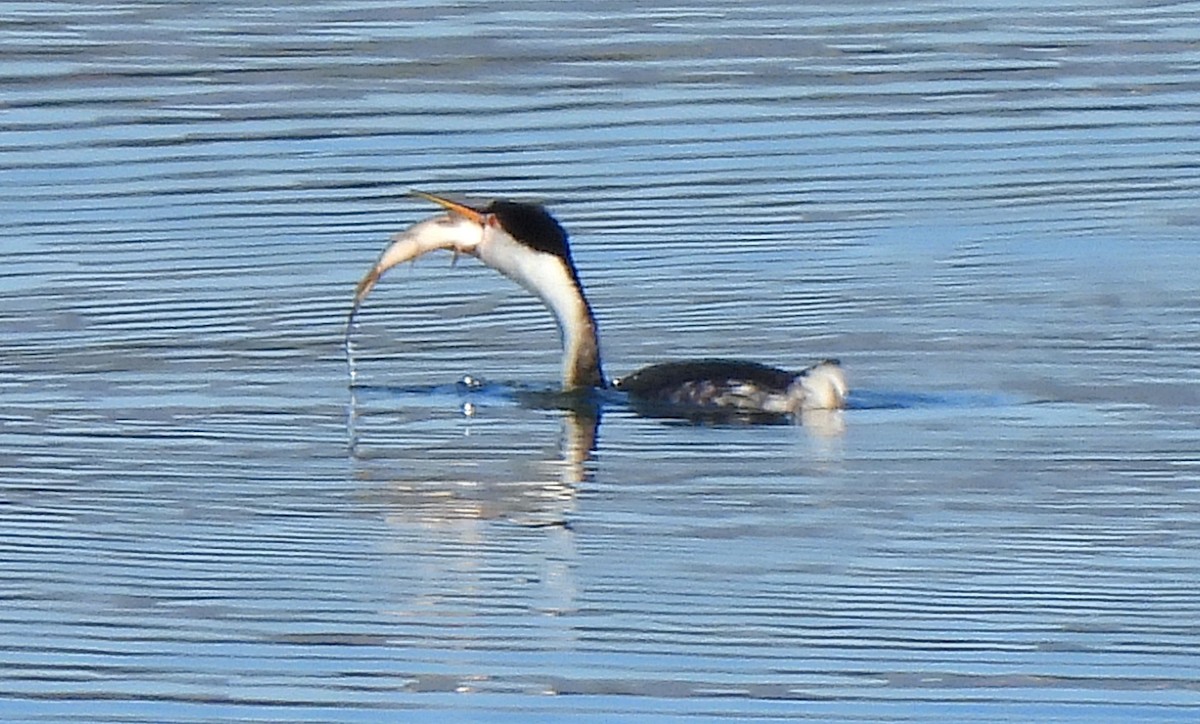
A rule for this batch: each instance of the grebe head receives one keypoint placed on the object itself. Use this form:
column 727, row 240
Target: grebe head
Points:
column 532, row 226
column 524, row 243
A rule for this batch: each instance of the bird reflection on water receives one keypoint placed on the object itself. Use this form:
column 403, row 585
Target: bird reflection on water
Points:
column 531, row 487
column 465, row 477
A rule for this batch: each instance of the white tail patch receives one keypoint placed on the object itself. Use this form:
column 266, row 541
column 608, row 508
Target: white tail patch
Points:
column 824, row 386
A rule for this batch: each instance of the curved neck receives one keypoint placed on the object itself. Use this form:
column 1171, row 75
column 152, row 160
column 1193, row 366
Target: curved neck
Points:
column 554, row 281
column 581, row 346
column 577, row 329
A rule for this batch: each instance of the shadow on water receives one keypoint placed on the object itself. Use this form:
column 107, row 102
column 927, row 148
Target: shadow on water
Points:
column 899, row 400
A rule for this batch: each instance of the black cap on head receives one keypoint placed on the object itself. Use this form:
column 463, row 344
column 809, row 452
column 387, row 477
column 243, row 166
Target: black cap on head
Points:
column 533, row 226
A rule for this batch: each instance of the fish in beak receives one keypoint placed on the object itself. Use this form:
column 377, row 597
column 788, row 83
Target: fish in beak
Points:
column 460, row 231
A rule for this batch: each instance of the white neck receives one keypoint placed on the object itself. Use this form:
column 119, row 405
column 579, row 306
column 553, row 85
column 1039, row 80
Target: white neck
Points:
column 548, row 277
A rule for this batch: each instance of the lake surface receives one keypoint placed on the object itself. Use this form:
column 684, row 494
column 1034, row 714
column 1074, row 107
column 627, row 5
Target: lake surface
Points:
column 987, row 212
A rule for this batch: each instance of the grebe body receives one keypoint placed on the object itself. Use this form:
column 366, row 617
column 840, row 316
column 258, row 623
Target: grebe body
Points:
column 713, row 385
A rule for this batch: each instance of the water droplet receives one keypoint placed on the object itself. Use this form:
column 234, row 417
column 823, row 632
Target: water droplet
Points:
column 469, row 382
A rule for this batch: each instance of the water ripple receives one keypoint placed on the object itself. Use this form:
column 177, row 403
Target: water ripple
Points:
column 986, row 211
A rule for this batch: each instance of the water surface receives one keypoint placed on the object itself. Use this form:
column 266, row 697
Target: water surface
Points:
column 986, row 211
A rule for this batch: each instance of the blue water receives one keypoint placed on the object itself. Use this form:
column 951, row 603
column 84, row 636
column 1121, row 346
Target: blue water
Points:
column 987, row 212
